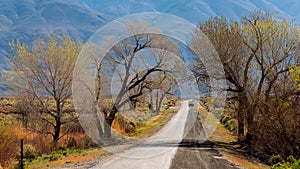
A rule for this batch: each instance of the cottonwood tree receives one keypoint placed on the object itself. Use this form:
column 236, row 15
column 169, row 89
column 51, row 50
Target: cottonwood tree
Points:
column 275, row 46
column 159, row 85
column 257, row 55
column 236, row 60
column 43, row 74
column 131, row 63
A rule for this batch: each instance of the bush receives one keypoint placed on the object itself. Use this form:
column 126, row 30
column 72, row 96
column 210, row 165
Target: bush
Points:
column 9, row 144
column 71, row 143
column 18, row 165
column 290, row 163
column 125, row 124
column 276, row 159
column 54, row 156
column 232, row 126
column 30, row 153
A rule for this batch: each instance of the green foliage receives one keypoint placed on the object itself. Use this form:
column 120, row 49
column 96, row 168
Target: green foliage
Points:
column 54, row 156
column 276, row 159
column 290, row 163
column 18, row 165
column 30, row 153
column 295, row 75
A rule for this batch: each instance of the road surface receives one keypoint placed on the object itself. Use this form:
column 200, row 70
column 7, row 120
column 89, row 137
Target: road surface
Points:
column 175, row 146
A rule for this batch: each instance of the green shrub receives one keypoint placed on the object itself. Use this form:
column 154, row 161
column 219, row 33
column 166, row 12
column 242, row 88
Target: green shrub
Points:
column 46, row 157
column 65, row 153
column 290, row 163
column 54, row 156
column 30, row 153
column 18, row 165
column 276, row 159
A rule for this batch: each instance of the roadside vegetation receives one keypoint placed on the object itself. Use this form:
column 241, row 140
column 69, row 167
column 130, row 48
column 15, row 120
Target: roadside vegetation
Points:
column 291, row 162
column 225, row 140
column 261, row 59
column 75, row 146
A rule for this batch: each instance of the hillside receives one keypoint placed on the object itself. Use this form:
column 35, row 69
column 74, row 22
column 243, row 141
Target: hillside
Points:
column 81, row 18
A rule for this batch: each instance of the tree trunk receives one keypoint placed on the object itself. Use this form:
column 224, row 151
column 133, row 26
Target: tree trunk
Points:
column 21, row 154
column 242, row 110
column 157, row 102
column 56, row 132
column 160, row 103
column 151, row 102
column 250, row 128
column 58, row 124
column 107, row 128
column 241, row 127
column 98, row 124
column 108, row 122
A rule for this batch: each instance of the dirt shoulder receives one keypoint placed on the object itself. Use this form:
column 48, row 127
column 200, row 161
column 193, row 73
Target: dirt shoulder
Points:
column 226, row 144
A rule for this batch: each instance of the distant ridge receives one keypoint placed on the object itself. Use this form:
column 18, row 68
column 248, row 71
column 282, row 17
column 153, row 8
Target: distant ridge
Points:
column 27, row 19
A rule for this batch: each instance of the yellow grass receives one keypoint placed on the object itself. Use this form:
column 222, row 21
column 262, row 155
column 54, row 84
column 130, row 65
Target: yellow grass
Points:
column 152, row 126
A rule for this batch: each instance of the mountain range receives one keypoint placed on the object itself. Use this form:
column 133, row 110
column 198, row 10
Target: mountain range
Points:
column 27, row 19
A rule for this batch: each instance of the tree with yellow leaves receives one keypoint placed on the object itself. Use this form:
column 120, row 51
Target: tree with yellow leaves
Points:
column 295, row 76
column 41, row 76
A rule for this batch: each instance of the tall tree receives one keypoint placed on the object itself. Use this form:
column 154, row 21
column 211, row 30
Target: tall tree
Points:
column 43, row 74
column 257, row 55
column 274, row 44
column 132, row 63
column 236, row 60
column 160, row 85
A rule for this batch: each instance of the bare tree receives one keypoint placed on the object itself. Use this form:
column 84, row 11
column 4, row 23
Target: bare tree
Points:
column 43, row 74
column 131, row 66
column 160, row 85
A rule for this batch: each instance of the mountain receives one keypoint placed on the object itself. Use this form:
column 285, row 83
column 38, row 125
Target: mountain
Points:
column 197, row 11
column 24, row 20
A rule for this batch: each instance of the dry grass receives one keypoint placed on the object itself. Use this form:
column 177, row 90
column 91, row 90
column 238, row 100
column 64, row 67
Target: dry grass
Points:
column 244, row 162
column 9, row 143
column 152, row 126
column 74, row 157
column 43, row 143
column 221, row 134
